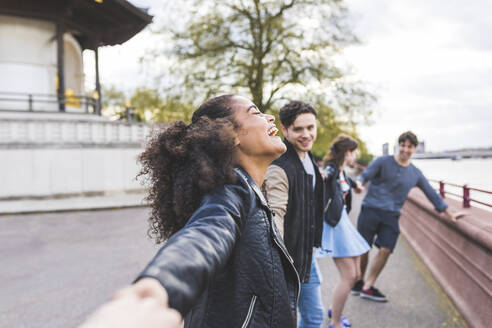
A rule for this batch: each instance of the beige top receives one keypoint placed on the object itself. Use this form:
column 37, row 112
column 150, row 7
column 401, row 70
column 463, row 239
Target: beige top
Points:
column 277, row 193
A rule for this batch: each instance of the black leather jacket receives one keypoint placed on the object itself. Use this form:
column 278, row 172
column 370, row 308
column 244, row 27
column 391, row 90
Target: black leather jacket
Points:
column 333, row 195
column 228, row 267
column 303, row 220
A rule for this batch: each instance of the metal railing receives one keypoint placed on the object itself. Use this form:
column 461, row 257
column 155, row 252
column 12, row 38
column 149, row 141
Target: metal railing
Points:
column 29, row 100
column 465, row 196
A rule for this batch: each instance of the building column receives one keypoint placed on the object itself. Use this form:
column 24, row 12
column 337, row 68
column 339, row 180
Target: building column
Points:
column 60, row 57
column 98, row 84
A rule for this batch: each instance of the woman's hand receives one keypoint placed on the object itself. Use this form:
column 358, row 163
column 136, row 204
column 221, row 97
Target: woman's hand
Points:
column 145, row 288
column 359, row 188
column 143, row 304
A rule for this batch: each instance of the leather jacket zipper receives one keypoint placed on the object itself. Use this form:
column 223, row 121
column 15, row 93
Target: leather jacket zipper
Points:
column 292, row 264
column 250, row 312
column 286, row 254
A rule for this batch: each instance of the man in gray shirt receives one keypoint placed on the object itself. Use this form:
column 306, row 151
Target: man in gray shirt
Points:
column 391, row 179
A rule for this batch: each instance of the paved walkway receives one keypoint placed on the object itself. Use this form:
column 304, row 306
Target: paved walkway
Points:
column 415, row 298
column 109, row 201
column 57, row 267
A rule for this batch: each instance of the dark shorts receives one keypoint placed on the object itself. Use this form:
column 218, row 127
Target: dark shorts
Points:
column 381, row 224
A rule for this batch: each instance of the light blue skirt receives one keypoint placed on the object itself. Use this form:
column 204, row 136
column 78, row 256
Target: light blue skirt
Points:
column 343, row 240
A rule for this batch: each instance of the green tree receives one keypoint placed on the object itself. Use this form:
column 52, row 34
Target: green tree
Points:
column 141, row 104
column 150, row 106
column 175, row 109
column 145, row 103
column 113, row 102
column 266, row 49
column 272, row 51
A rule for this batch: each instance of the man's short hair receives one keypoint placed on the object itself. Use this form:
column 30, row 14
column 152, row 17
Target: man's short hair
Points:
column 410, row 136
column 289, row 112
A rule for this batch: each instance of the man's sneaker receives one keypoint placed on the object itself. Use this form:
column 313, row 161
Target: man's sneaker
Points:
column 345, row 321
column 373, row 294
column 357, row 288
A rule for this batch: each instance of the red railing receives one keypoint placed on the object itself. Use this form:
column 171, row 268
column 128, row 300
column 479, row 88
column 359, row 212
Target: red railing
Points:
column 466, row 193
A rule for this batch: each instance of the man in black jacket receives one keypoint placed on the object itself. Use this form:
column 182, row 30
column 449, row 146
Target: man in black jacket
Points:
column 294, row 190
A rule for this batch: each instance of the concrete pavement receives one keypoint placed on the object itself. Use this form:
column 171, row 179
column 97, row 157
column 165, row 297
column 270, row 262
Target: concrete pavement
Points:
column 80, row 203
column 415, row 298
column 58, row 267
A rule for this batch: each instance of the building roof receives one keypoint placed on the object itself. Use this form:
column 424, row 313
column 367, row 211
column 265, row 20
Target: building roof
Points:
column 93, row 23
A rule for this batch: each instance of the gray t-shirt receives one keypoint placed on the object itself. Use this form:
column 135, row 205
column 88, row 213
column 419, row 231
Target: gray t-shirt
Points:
column 391, row 183
column 309, row 167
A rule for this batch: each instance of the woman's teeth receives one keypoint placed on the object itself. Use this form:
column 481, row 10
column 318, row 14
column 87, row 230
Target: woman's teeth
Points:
column 272, row 131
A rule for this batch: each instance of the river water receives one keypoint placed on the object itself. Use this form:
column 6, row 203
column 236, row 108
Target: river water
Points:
column 476, row 173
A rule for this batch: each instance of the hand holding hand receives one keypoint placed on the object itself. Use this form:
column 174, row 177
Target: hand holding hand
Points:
column 143, row 304
column 145, row 288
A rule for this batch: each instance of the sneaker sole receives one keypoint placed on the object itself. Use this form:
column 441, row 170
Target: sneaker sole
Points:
column 373, row 298
column 355, row 293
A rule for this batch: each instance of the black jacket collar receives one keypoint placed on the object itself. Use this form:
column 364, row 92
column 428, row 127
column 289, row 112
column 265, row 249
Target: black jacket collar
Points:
column 243, row 175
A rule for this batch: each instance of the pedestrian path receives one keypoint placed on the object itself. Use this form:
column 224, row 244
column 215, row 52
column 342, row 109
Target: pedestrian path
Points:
column 108, row 201
column 415, row 298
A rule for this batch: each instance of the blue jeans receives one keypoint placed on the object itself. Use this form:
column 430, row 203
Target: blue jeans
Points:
column 310, row 306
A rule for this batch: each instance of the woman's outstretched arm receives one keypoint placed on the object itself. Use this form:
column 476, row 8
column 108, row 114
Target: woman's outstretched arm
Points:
column 189, row 259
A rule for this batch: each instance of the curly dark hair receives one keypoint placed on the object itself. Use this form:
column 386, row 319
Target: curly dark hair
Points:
column 289, row 112
column 340, row 145
column 184, row 162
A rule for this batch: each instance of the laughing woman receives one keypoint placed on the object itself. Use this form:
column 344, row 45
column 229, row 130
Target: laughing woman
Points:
column 223, row 264
column 340, row 239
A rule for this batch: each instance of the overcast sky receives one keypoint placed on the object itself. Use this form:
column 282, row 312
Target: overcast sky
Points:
column 430, row 62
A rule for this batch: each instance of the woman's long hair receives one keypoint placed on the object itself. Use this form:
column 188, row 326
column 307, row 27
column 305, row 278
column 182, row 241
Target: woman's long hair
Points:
column 340, row 145
column 183, row 162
